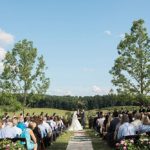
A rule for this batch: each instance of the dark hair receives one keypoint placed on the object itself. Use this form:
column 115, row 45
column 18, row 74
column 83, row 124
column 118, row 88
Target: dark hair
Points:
column 115, row 114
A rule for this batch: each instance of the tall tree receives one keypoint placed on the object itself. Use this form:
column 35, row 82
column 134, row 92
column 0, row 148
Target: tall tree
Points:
column 23, row 72
column 131, row 70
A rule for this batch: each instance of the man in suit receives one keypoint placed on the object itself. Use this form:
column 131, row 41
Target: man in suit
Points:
column 83, row 118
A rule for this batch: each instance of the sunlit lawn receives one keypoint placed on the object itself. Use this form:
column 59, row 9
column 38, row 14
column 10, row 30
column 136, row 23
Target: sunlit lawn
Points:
column 97, row 142
column 62, row 142
column 37, row 111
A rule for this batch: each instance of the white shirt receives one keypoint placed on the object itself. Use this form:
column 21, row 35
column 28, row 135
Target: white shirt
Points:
column 17, row 130
column 47, row 126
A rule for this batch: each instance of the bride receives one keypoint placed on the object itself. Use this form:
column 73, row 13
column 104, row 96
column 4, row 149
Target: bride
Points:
column 75, row 125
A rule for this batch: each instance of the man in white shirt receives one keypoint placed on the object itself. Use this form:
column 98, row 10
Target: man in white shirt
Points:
column 15, row 128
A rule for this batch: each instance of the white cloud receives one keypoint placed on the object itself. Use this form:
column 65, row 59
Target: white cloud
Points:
column 98, row 90
column 122, row 35
column 2, row 53
column 108, row 32
column 1, row 67
column 2, row 56
column 88, row 69
column 5, row 37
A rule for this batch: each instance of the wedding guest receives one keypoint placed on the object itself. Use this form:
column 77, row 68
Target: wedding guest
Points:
column 30, row 138
column 8, row 131
column 145, row 127
column 15, row 128
column 137, row 121
column 126, row 128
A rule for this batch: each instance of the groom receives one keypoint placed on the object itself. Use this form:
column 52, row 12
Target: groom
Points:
column 83, row 118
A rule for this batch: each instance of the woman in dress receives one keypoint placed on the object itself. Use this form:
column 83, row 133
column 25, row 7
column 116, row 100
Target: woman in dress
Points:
column 75, row 125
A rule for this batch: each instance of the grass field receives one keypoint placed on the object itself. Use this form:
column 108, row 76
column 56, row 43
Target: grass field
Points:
column 97, row 142
column 60, row 112
column 37, row 111
column 62, row 142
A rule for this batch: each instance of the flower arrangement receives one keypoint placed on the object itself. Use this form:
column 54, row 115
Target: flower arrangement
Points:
column 9, row 145
column 144, row 142
column 129, row 144
column 126, row 145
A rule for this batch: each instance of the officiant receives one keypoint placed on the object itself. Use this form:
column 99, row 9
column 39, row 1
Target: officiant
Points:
column 83, row 118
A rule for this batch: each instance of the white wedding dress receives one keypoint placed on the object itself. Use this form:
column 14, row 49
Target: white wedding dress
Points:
column 75, row 125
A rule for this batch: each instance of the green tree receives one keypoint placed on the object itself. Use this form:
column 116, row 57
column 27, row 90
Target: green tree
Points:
column 23, row 72
column 131, row 70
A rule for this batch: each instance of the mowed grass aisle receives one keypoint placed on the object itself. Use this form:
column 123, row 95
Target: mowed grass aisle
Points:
column 62, row 141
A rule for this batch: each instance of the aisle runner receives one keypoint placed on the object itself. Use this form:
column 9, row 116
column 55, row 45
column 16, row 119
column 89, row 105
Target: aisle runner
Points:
column 80, row 142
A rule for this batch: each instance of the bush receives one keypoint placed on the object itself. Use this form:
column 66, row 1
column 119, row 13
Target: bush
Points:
column 9, row 145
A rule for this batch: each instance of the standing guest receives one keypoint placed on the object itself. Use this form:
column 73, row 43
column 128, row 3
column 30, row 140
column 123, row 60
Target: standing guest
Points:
column 95, row 126
column 114, row 122
column 112, row 127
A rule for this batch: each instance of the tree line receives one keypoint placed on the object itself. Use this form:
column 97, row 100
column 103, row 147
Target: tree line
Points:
column 86, row 102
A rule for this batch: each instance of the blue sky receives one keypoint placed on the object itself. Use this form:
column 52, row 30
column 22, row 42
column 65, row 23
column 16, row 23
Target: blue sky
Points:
column 78, row 38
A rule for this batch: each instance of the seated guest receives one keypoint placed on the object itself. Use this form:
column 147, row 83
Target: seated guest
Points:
column 47, row 126
column 27, row 120
column 8, row 131
column 126, row 128
column 1, row 131
column 42, row 128
column 60, row 123
column 21, row 123
column 33, row 126
column 15, row 128
column 145, row 127
column 52, row 123
column 30, row 138
column 137, row 121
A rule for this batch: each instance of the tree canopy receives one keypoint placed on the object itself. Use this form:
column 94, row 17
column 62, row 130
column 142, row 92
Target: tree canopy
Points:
column 23, row 73
column 131, row 70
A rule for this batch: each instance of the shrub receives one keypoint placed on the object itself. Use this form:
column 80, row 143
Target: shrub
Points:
column 9, row 145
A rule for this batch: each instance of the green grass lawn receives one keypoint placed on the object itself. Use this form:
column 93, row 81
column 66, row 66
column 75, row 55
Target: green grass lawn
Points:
column 97, row 142
column 62, row 141
column 37, row 111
